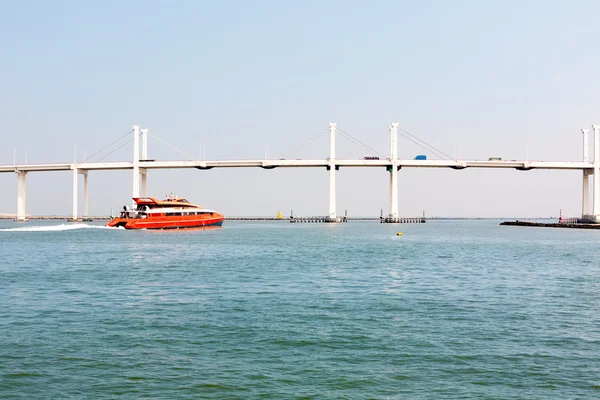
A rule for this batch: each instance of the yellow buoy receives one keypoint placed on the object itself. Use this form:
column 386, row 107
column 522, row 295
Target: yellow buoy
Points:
column 278, row 215
column 399, row 234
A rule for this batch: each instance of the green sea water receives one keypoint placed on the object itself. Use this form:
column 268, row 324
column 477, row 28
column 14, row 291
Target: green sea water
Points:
column 449, row 310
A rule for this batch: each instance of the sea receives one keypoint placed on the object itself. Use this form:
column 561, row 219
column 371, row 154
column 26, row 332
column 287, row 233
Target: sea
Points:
column 273, row 310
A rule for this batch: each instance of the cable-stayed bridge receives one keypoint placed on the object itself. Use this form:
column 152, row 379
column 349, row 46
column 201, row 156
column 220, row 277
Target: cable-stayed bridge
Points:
column 140, row 165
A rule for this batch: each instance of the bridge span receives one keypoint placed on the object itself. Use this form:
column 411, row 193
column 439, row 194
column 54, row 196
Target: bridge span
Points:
column 141, row 165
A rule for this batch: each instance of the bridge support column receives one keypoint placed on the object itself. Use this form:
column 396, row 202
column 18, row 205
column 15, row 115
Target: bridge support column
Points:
column 74, row 215
column 136, row 163
column 394, row 172
column 585, row 206
column 596, row 187
column 144, row 171
column 85, row 194
column 21, row 193
column 585, row 198
column 332, row 199
column 144, row 184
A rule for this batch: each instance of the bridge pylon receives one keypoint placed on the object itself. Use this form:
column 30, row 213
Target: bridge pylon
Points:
column 593, row 215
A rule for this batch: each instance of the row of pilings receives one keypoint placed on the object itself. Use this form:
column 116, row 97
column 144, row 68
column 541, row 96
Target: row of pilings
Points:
column 402, row 220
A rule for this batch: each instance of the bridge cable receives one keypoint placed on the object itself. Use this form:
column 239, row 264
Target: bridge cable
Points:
column 101, row 150
column 173, row 147
column 309, row 141
column 424, row 142
column 121, row 146
column 358, row 142
column 372, row 139
column 424, row 148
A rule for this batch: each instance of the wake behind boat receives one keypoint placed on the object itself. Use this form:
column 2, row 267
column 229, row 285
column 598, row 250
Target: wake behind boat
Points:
column 171, row 213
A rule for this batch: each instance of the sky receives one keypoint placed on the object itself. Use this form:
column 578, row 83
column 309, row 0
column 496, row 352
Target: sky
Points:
column 510, row 79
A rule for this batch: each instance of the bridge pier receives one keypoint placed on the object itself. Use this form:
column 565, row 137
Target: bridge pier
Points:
column 585, row 206
column 596, row 187
column 144, row 171
column 136, row 163
column 75, row 212
column 74, row 215
column 85, row 194
column 144, row 182
column 332, row 168
column 585, row 198
column 394, row 172
column 21, row 196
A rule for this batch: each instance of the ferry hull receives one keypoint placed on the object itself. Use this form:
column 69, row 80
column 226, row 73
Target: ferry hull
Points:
column 171, row 213
column 155, row 223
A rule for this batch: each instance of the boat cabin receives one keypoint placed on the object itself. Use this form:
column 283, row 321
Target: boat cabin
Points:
column 149, row 207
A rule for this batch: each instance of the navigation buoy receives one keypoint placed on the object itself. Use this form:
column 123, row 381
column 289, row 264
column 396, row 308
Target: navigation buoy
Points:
column 399, row 234
column 279, row 215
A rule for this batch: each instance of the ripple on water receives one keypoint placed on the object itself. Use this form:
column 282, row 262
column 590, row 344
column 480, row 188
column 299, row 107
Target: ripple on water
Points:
column 452, row 310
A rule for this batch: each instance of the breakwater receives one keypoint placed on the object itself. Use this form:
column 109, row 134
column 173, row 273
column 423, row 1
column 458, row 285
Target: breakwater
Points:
column 551, row 225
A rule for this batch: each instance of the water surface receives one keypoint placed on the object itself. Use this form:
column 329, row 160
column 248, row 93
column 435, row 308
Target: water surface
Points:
column 451, row 309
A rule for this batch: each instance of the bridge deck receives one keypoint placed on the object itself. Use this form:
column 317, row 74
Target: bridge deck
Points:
column 270, row 164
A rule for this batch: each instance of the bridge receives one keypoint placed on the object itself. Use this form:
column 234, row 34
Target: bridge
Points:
column 140, row 165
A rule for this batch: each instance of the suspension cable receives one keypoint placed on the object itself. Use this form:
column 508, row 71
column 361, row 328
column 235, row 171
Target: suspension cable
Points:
column 426, row 144
column 101, row 150
column 372, row 139
column 173, row 147
column 304, row 144
column 423, row 147
column 358, row 142
column 121, row 146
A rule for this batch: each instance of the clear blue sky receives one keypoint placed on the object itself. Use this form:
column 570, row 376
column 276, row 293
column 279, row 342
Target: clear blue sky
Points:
column 484, row 79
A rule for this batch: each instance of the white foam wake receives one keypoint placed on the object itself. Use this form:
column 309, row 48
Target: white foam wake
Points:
column 54, row 228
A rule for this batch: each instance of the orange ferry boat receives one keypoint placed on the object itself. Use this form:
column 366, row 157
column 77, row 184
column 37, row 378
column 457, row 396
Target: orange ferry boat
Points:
column 171, row 213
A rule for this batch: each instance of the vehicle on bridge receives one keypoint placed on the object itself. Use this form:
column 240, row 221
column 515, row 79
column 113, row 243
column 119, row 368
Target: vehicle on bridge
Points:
column 171, row 213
